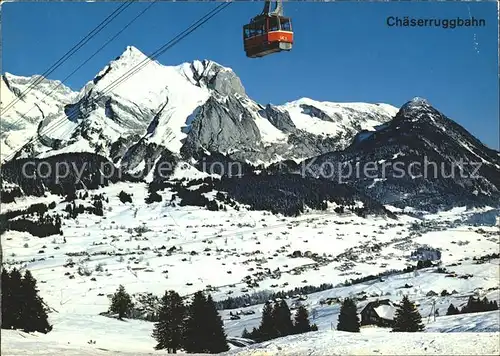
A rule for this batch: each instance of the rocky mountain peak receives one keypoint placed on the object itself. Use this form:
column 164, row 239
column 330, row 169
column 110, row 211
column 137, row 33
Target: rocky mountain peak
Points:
column 214, row 76
column 417, row 104
column 418, row 101
column 418, row 111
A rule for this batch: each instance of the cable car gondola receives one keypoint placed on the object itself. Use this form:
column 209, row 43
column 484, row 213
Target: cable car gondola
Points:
column 268, row 33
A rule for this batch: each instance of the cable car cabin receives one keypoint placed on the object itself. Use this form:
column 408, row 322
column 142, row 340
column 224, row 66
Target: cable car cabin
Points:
column 266, row 34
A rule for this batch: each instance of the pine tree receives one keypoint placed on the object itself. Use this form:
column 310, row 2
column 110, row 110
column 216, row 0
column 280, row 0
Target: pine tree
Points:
column 348, row 317
column 485, row 302
column 168, row 330
column 121, row 302
column 193, row 338
column 476, row 305
column 204, row 330
column 16, row 295
column 6, row 300
column 267, row 329
column 452, row 310
column 217, row 341
column 22, row 308
column 472, row 306
column 301, row 322
column 245, row 334
column 494, row 305
column 407, row 318
column 255, row 334
column 33, row 313
column 282, row 319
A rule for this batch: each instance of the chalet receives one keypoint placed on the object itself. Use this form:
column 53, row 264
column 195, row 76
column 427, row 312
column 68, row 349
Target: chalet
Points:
column 424, row 253
column 379, row 312
column 329, row 301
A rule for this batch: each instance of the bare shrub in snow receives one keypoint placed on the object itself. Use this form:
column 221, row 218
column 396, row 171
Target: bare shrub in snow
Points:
column 100, row 267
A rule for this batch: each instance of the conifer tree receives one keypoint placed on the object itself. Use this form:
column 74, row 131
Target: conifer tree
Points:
column 245, row 334
column 301, row 322
column 194, row 339
column 33, row 313
column 6, row 300
column 452, row 310
column 121, row 302
column 407, row 318
column 255, row 334
column 282, row 319
column 488, row 305
column 473, row 306
column 16, row 295
column 217, row 341
column 204, row 330
column 485, row 302
column 348, row 318
column 168, row 329
column 22, row 308
column 267, row 330
column 494, row 305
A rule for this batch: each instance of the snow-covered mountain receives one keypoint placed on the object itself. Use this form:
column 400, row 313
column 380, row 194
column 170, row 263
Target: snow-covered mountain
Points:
column 420, row 158
column 20, row 121
column 193, row 107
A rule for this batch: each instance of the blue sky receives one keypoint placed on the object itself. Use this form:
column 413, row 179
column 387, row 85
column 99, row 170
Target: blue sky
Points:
column 343, row 52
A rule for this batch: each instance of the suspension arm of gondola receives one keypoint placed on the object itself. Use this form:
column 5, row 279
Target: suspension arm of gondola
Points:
column 277, row 11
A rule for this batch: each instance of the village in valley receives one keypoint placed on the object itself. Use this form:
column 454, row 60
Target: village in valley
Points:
column 256, row 260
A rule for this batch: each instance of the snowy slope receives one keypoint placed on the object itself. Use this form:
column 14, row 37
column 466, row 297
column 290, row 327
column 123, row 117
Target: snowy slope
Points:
column 113, row 337
column 486, row 277
column 327, row 118
column 376, row 342
column 19, row 121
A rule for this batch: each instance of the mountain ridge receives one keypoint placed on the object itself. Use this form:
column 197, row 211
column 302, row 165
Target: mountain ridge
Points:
column 463, row 169
column 160, row 103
